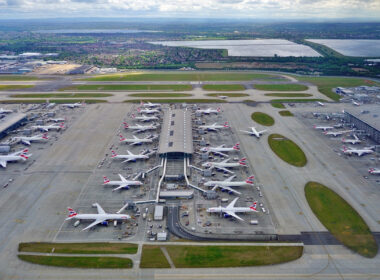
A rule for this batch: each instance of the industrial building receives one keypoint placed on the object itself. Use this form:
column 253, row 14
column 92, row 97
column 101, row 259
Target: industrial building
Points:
column 158, row 213
column 186, row 194
column 11, row 122
column 367, row 119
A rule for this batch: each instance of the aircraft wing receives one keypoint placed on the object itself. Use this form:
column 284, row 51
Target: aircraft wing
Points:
column 249, row 132
column 100, row 209
column 224, row 169
column 120, row 187
column 134, row 143
column 96, row 222
column 122, row 178
column 26, row 142
column 233, row 215
column 227, row 188
column 232, row 204
column 127, row 160
column 220, row 153
column 229, row 179
column 262, row 131
column 3, row 163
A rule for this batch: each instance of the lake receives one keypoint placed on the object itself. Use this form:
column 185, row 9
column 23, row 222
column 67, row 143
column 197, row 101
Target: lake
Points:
column 257, row 47
column 351, row 47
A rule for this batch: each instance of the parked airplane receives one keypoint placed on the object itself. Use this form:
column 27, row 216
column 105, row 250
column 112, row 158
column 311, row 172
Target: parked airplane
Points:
column 231, row 210
column 336, row 133
column 46, row 128
column 218, row 150
column 100, row 218
column 144, row 118
column 254, row 132
column 355, row 103
column 129, row 157
column 214, row 127
column 223, row 165
column 208, row 111
column 4, row 111
column 320, row 103
column 123, row 184
column 227, row 184
column 140, row 128
column 374, row 171
column 358, row 152
column 147, row 111
column 28, row 139
column 324, row 128
column 73, row 105
column 135, row 140
column 149, row 105
column 354, row 141
column 57, row 120
column 20, row 155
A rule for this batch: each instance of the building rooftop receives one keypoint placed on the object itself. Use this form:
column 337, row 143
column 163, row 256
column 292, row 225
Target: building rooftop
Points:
column 176, row 134
column 10, row 119
column 372, row 118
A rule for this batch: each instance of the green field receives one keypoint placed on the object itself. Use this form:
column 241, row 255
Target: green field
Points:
column 17, row 78
column 78, row 262
column 286, row 113
column 289, row 100
column 262, row 118
column 287, row 150
column 327, row 84
column 188, row 100
column 192, row 76
column 78, row 248
column 152, row 94
column 228, row 94
column 231, row 256
column 341, row 219
column 278, row 105
column 281, row 87
column 60, row 95
column 12, row 87
column 223, row 87
column 152, row 257
column 130, row 87
column 58, row 101
column 283, row 94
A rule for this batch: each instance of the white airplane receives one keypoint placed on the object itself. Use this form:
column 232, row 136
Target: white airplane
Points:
column 355, row 103
column 374, row 171
column 320, row 103
column 4, row 111
column 358, row 152
column 354, row 141
column 101, row 218
column 227, row 184
column 231, row 210
column 149, row 104
column 140, row 128
column 123, row 184
column 336, row 133
column 324, row 128
column 46, row 128
column 254, row 132
column 208, row 111
column 218, row 150
column 147, row 111
column 223, row 165
column 144, row 118
column 135, row 140
column 20, row 155
column 129, row 157
column 214, row 127
column 28, row 139
column 73, row 105
column 57, row 120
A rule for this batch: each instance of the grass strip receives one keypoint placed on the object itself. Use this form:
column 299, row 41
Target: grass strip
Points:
column 286, row 113
column 191, row 101
column 281, row 87
column 290, row 100
column 17, row 78
column 58, row 101
column 262, row 118
column 223, row 87
column 153, row 94
column 130, row 87
column 278, row 105
column 283, row 94
column 60, row 95
column 287, row 150
column 12, row 87
column 152, row 257
column 341, row 219
column 228, row 94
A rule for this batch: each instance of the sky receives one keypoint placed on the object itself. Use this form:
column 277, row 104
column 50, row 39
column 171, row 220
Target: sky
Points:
column 255, row 9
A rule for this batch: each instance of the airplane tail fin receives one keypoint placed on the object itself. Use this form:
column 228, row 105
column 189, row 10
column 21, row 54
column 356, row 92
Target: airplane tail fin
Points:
column 325, row 132
column 139, row 109
column 242, row 162
column 371, row 170
column 141, row 103
column 125, row 125
column 25, row 156
column 314, row 126
column 44, row 136
column 121, row 137
column 236, row 147
column 253, row 206
column 226, row 125
column 72, row 213
column 113, row 154
column 133, row 116
column 218, row 109
column 62, row 125
column 105, row 180
column 250, row 180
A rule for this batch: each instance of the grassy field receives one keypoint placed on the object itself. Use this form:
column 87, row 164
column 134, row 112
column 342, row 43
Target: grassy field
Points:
column 231, row 256
column 191, row 101
column 12, row 87
column 278, row 105
column 60, row 95
column 130, row 87
column 152, row 257
column 283, row 94
column 228, row 94
column 79, row 248
column 223, row 87
column 341, row 219
column 262, row 118
column 326, row 84
column 58, row 101
column 79, row 262
column 286, row 113
column 287, row 150
column 290, row 100
column 17, row 78
column 281, row 87
column 152, row 94
column 192, row 76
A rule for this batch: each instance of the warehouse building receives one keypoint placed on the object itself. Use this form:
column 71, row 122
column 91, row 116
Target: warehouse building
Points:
column 11, row 122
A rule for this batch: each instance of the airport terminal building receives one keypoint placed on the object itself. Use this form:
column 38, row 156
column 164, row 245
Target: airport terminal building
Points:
column 367, row 119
